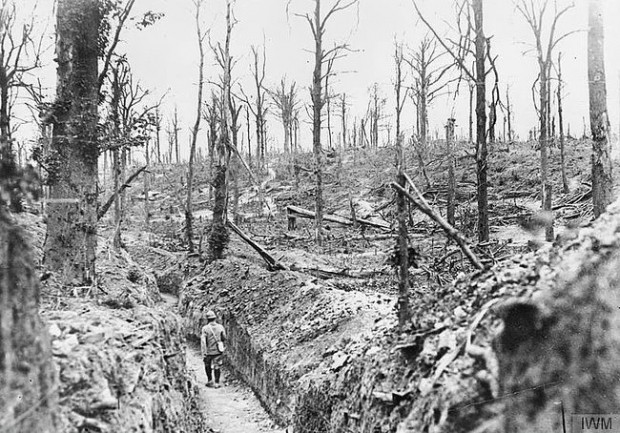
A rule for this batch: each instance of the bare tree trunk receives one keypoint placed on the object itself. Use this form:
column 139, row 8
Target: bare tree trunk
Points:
column 235, row 179
column 404, row 313
column 602, row 180
column 481, row 120
column 343, row 102
column 561, row 125
column 317, row 105
column 147, row 185
column 105, row 169
column 451, row 179
column 176, row 136
column 247, row 123
column 72, row 209
column 471, row 113
column 423, row 113
column 158, row 136
column 189, row 216
column 116, row 168
column 544, row 138
column 123, row 195
column 327, row 99
column 509, row 114
column 116, row 163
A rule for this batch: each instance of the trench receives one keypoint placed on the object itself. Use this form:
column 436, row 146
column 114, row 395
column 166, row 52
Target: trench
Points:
column 232, row 408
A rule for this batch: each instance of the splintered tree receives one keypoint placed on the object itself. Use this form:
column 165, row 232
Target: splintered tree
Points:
column 471, row 24
column 218, row 238
column 318, row 25
column 129, row 119
column 602, row 181
column 72, row 207
column 343, row 105
column 404, row 313
column 450, row 205
column 509, row 114
column 561, row 126
column 19, row 54
column 211, row 115
column 427, row 84
column 375, row 114
column 534, row 14
column 189, row 217
column 259, row 107
column 286, row 101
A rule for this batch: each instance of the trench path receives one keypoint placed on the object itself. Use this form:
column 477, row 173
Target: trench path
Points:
column 233, row 408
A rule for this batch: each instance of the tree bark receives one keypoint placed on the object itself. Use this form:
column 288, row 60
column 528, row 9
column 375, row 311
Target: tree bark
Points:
column 509, row 114
column 481, row 120
column 451, row 179
column 147, row 185
column 404, row 312
column 317, row 106
column 602, row 181
column 116, row 167
column 189, row 216
column 218, row 238
column 176, row 136
column 471, row 111
column 547, row 191
column 72, row 208
column 561, row 126
column 343, row 102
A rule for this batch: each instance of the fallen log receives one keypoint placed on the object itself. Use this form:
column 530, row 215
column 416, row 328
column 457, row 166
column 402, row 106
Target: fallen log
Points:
column 104, row 209
column 294, row 212
column 327, row 274
column 452, row 233
column 272, row 264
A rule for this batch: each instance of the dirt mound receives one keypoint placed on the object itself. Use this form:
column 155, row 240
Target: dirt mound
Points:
column 560, row 344
column 122, row 370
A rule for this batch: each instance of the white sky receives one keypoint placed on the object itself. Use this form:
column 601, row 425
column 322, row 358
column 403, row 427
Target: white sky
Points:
column 165, row 57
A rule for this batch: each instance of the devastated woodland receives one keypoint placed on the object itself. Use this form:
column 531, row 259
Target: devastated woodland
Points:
column 403, row 216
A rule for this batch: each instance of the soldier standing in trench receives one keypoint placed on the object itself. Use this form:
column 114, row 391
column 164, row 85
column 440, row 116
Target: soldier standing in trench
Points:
column 212, row 338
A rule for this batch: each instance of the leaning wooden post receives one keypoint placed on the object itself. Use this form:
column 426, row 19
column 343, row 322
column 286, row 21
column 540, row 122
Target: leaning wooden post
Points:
column 419, row 202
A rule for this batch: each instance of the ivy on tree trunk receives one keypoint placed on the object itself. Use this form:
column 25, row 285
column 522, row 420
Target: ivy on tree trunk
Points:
column 72, row 207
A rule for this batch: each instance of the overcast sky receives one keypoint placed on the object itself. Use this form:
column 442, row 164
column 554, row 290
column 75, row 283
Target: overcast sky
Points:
column 165, row 57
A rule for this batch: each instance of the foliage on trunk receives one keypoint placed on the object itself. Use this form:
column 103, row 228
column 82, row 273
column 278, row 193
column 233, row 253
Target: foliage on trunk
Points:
column 72, row 208
column 218, row 238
